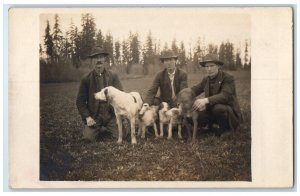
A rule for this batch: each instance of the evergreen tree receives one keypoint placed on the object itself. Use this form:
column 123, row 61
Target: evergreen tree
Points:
column 117, row 52
column 174, row 46
column 109, row 47
column 48, row 42
column 238, row 60
column 148, row 53
column 87, row 35
column 222, row 52
column 212, row 49
column 41, row 51
column 57, row 39
column 134, row 49
column 246, row 58
column 99, row 39
column 181, row 56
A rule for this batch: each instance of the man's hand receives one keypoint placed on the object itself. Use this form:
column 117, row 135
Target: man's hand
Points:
column 90, row 121
column 200, row 104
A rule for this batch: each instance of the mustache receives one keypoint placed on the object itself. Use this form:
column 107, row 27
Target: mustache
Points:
column 99, row 63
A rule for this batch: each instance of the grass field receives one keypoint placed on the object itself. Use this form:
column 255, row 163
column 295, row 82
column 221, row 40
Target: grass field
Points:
column 64, row 156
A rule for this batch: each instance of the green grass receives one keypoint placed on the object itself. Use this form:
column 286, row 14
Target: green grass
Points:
column 211, row 158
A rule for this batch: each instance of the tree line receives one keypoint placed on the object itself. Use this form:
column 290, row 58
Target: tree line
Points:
column 73, row 47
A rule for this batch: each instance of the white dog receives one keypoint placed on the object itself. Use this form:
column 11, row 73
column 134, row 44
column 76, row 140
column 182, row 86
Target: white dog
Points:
column 125, row 105
column 171, row 117
column 147, row 117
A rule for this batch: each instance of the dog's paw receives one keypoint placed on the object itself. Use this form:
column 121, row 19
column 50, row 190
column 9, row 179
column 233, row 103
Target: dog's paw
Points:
column 133, row 142
column 119, row 141
column 169, row 138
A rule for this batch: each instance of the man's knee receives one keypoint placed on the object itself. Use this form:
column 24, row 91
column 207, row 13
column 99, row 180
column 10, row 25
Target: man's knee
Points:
column 220, row 110
column 90, row 133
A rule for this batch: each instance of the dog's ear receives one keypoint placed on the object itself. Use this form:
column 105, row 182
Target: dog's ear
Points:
column 106, row 95
column 160, row 106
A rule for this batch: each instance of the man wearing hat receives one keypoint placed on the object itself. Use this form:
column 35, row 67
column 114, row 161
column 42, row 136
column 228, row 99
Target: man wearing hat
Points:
column 169, row 81
column 219, row 109
column 98, row 116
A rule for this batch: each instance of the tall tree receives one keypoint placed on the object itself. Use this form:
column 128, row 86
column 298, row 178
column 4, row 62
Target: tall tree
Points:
column 99, row 39
column 41, row 51
column 48, row 42
column 246, row 57
column 174, row 46
column 109, row 47
column 57, row 39
column 148, row 53
column 222, row 55
column 87, row 35
column 238, row 60
column 117, row 52
column 181, row 56
column 134, row 48
column 212, row 49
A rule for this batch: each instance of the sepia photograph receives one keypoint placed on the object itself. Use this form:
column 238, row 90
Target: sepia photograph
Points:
column 150, row 95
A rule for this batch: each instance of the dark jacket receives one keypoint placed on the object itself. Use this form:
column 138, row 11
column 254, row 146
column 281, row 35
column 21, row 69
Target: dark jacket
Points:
column 224, row 92
column 89, row 85
column 162, row 81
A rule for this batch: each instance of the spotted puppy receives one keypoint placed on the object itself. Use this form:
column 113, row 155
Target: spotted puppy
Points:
column 147, row 117
column 171, row 117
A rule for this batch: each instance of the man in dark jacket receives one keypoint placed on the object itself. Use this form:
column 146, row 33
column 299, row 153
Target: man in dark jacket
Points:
column 219, row 109
column 98, row 116
column 169, row 81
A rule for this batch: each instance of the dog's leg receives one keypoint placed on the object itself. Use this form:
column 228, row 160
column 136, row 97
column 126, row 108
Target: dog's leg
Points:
column 120, row 129
column 195, row 127
column 161, row 126
column 155, row 130
column 170, row 130
column 140, row 129
column 179, row 131
column 133, row 138
column 143, row 131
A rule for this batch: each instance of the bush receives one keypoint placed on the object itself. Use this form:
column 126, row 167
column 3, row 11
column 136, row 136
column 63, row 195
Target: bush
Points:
column 60, row 72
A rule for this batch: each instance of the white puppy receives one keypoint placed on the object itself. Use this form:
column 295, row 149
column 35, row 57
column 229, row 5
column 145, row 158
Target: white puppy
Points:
column 125, row 105
column 147, row 117
column 171, row 117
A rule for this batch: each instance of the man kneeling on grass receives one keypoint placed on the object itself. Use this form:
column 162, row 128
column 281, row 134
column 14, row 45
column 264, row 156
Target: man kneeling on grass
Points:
column 98, row 116
column 219, row 110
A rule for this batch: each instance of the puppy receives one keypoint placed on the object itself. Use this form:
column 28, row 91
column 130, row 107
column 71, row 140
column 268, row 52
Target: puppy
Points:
column 171, row 117
column 147, row 117
column 126, row 105
column 185, row 100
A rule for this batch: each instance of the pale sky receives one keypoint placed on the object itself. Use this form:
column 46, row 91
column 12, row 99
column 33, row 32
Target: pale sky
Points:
column 187, row 24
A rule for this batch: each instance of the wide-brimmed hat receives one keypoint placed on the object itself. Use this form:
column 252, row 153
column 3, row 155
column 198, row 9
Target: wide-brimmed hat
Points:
column 168, row 54
column 210, row 58
column 98, row 50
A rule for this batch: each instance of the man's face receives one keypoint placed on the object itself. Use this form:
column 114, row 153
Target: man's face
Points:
column 99, row 63
column 170, row 64
column 211, row 69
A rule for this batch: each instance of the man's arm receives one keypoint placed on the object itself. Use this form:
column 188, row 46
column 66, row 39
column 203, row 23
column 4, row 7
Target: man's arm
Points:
column 199, row 88
column 82, row 99
column 153, row 90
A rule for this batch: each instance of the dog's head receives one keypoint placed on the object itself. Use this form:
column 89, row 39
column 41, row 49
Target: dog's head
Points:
column 163, row 107
column 185, row 99
column 144, row 108
column 103, row 95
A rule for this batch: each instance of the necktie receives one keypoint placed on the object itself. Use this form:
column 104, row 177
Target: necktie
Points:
column 172, row 84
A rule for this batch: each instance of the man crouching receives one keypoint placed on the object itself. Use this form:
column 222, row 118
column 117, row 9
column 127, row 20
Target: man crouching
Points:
column 219, row 109
column 98, row 116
